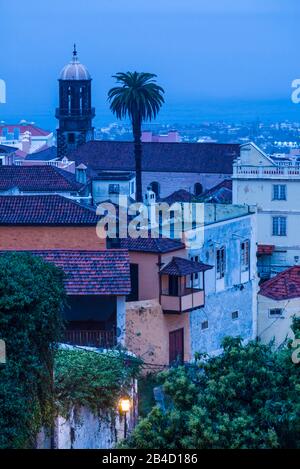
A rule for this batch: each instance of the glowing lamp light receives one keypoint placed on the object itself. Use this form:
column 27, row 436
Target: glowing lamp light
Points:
column 125, row 404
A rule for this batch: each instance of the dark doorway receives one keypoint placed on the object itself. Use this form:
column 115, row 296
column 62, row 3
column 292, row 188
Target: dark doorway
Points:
column 198, row 188
column 134, row 278
column 176, row 351
column 173, row 285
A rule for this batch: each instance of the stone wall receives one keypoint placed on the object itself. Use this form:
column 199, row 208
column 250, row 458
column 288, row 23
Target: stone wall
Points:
column 170, row 182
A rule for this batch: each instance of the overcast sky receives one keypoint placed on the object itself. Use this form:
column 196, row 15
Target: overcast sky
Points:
column 200, row 49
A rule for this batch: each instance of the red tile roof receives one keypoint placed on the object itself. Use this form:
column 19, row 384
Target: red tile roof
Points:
column 284, row 286
column 151, row 245
column 221, row 193
column 92, row 272
column 178, row 196
column 44, row 210
column 37, row 179
column 33, row 129
column 265, row 249
column 157, row 157
column 180, row 266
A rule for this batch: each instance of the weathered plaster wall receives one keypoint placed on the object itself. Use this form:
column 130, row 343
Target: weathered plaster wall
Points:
column 148, row 271
column 218, row 312
column 279, row 328
column 147, row 331
column 236, row 293
column 50, row 237
column 85, row 430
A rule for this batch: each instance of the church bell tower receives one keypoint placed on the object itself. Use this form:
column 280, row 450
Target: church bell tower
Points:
column 75, row 112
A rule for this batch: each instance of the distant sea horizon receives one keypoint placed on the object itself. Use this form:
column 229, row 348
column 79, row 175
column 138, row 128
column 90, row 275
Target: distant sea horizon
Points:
column 181, row 113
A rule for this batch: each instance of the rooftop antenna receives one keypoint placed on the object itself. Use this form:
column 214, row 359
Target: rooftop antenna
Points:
column 75, row 58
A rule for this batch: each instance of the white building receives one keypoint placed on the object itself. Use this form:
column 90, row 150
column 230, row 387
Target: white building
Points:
column 226, row 241
column 278, row 303
column 109, row 185
column 25, row 136
column 275, row 190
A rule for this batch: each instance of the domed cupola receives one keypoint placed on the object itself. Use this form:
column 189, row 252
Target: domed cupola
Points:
column 75, row 70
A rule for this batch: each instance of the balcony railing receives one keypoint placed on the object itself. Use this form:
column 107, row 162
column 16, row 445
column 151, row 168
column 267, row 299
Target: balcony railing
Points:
column 91, row 338
column 267, row 172
column 187, row 300
column 76, row 113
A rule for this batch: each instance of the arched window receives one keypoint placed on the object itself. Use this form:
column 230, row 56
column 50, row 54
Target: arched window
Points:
column 155, row 187
column 198, row 188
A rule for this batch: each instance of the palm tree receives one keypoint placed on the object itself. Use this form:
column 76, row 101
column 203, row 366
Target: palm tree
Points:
column 139, row 98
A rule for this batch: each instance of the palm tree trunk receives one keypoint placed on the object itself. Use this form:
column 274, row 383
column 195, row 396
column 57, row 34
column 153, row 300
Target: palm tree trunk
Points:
column 137, row 134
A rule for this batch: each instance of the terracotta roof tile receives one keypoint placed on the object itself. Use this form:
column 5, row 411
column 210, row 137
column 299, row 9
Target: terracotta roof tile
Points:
column 92, row 272
column 180, row 266
column 37, row 179
column 153, row 245
column 44, row 210
column 265, row 249
column 285, row 286
column 168, row 157
column 33, row 129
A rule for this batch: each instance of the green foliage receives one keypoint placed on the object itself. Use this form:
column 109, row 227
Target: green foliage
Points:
column 248, row 397
column 146, row 384
column 138, row 96
column 86, row 378
column 31, row 299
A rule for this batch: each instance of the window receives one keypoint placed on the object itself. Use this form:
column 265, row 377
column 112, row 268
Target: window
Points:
column 245, row 255
column 279, row 226
column 275, row 312
column 204, row 325
column 71, row 138
column 195, row 259
column 16, row 133
column 176, row 346
column 113, row 188
column 132, row 187
column 235, row 315
column 279, row 192
column 155, row 187
column 198, row 188
column 221, row 263
column 173, row 285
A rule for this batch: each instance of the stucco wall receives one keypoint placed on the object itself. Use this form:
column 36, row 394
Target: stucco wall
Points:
column 258, row 190
column 279, row 328
column 85, row 430
column 148, row 271
column 236, row 292
column 50, row 237
column 170, row 182
column 147, row 331
column 218, row 312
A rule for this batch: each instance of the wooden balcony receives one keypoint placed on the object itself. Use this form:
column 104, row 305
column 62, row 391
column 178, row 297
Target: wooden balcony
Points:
column 91, row 338
column 187, row 300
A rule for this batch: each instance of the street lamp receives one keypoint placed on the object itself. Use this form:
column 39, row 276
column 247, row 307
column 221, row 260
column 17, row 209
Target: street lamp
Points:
column 125, row 407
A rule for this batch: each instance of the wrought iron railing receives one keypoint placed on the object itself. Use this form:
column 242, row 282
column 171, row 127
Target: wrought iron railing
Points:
column 91, row 338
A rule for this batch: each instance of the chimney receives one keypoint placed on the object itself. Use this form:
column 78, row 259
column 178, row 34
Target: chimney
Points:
column 80, row 174
column 26, row 142
column 149, row 197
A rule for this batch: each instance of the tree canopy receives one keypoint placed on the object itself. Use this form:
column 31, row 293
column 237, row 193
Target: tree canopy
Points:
column 248, row 397
column 140, row 98
column 31, row 299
